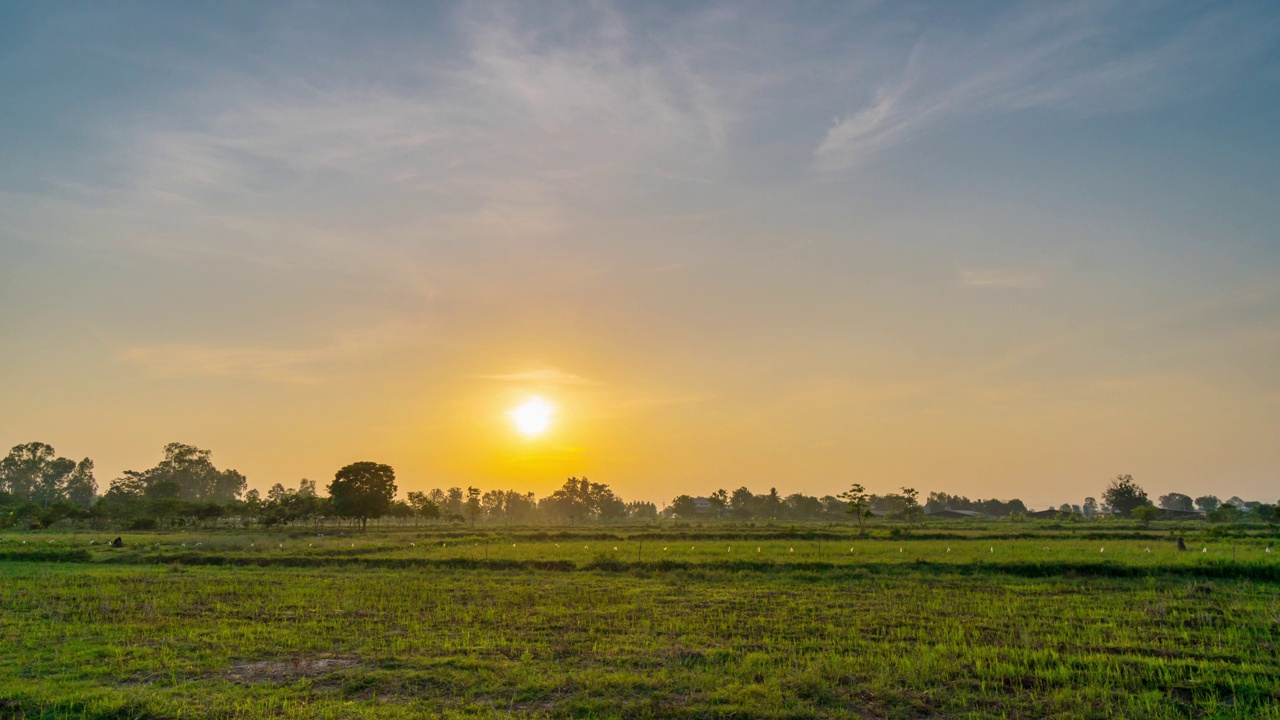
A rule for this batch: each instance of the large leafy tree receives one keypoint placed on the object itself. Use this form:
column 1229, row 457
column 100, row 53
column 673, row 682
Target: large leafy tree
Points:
column 581, row 499
column 188, row 469
column 363, row 490
column 193, row 471
column 1124, row 495
column 1176, row 501
column 423, row 506
column 683, row 506
column 34, row 473
column 742, row 503
column 1208, row 503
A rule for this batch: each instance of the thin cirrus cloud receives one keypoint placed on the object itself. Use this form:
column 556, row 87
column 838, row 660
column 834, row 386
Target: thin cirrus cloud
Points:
column 544, row 376
column 1078, row 57
column 513, row 133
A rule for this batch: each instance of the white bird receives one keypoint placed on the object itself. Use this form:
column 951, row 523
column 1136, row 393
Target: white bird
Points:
column 1205, row 550
column 615, row 547
column 791, row 549
column 993, row 549
column 1148, row 549
column 758, row 549
column 850, row 549
column 1268, row 549
column 948, row 549
column 899, row 549
column 413, row 544
column 1102, row 549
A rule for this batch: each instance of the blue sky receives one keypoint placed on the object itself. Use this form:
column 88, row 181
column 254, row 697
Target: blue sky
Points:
column 989, row 248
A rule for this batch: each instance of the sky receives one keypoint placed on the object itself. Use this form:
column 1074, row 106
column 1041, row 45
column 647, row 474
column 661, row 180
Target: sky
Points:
column 994, row 249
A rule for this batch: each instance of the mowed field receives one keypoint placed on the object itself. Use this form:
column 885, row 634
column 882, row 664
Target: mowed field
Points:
column 714, row 621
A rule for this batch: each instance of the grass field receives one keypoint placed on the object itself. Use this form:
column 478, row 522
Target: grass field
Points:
column 690, row 622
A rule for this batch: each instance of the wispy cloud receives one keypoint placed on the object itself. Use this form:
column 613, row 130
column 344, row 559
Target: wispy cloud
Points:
column 543, row 376
column 1084, row 57
column 301, row 365
column 529, row 123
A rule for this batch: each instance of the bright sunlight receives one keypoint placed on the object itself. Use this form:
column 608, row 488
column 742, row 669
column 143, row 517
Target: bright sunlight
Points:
column 532, row 417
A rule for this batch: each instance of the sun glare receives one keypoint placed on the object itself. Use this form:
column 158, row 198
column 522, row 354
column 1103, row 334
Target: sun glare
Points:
column 532, row 417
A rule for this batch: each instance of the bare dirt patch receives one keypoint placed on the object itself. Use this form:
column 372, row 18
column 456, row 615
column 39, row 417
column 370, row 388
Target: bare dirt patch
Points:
column 288, row 669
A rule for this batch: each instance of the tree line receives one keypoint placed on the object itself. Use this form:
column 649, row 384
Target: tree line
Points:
column 38, row 489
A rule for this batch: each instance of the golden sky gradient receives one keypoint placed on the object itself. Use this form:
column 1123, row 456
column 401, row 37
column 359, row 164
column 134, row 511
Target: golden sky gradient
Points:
column 1005, row 252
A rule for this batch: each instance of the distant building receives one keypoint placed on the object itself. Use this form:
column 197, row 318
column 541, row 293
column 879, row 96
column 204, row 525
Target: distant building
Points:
column 949, row 514
column 702, row 505
column 1050, row 514
column 1167, row 514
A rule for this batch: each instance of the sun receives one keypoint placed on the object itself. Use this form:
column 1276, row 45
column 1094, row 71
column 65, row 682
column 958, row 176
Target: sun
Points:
column 532, row 417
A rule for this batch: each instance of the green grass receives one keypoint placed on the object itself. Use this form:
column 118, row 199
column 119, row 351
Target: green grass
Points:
column 417, row 623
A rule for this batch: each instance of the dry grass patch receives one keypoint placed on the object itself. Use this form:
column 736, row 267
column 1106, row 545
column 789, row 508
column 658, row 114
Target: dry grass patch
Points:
column 289, row 670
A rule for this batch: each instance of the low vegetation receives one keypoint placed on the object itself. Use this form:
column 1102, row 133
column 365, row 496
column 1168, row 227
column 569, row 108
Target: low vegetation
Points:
column 709, row 620
column 178, row 593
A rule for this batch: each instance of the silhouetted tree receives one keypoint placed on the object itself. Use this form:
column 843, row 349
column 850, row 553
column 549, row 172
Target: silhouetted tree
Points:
column 473, row 504
column 1090, row 507
column 770, row 504
column 911, row 511
column 423, row 507
column 1124, row 495
column 642, row 510
column 857, row 503
column 581, row 499
column 363, row 490
column 683, row 506
column 1208, row 503
column 719, row 502
column 34, row 473
column 1176, row 501
column 1226, row 512
column 743, row 504
column 1145, row 514
column 193, row 471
